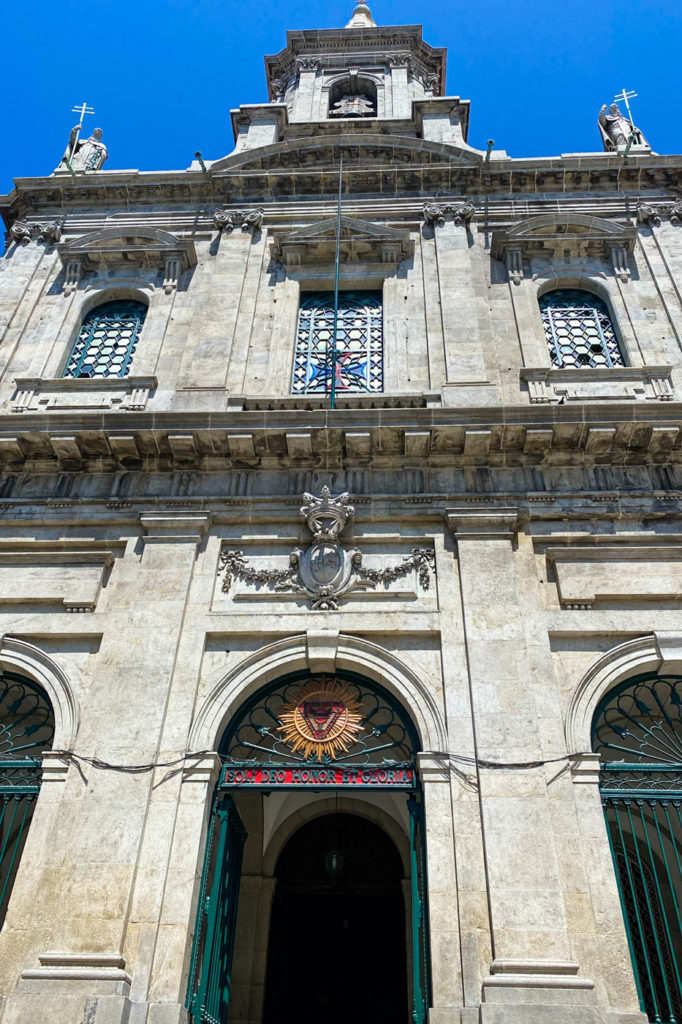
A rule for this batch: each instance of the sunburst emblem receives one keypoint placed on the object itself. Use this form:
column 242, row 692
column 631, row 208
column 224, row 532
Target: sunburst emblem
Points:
column 322, row 719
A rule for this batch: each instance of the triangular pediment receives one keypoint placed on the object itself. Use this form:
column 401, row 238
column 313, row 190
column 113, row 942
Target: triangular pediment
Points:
column 565, row 234
column 125, row 246
column 361, row 241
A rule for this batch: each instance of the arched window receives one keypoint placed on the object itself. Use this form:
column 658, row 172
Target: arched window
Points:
column 637, row 730
column 26, row 730
column 359, row 361
column 353, row 97
column 579, row 329
column 107, row 340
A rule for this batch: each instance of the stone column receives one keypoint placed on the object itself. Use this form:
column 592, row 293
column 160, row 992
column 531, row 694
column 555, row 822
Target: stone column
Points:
column 400, row 90
column 305, row 90
column 446, row 979
column 532, row 976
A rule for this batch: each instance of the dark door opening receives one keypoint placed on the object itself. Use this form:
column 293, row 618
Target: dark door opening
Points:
column 337, row 935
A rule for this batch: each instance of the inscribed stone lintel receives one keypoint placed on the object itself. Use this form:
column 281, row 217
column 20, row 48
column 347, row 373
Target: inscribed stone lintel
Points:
column 168, row 527
column 482, row 524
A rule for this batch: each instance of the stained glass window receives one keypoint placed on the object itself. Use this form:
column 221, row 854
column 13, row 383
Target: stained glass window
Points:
column 106, row 341
column 579, row 330
column 359, row 363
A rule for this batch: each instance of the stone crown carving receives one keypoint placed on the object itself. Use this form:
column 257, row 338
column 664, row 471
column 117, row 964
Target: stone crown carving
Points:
column 22, row 232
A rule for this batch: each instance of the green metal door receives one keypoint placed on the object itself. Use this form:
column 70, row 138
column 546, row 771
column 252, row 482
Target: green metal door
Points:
column 638, row 732
column 420, row 952
column 210, row 975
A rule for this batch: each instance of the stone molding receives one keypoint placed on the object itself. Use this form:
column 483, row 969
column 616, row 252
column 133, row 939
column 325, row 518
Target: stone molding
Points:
column 22, row 656
column 625, row 659
column 482, row 524
column 203, row 768
column 433, row 767
column 553, row 385
column 117, row 394
column 542, row 974
column 361, row 241
column 116, row 248
column 107, row 967
column 173, row 527
column 457, row 435
column 584, row 768
column 564, row 234
column 232, row 688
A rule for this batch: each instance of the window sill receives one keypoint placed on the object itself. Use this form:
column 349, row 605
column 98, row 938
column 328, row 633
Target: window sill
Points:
column 126, row 394
column 550, row 385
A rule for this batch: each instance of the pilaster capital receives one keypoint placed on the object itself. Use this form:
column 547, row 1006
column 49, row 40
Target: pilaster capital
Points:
column 173, row 527
column 585, row 768
column 433, row 767
column 482, row 523
column 204, row 768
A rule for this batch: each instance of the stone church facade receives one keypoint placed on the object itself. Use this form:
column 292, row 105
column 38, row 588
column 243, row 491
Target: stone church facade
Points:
column 343, row 618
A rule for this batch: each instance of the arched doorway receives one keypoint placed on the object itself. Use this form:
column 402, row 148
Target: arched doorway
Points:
column 637, row 729
column 307, row 740
column 338, row 897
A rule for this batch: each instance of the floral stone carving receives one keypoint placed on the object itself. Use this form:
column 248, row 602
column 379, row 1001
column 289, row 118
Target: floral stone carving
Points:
column 326, row 570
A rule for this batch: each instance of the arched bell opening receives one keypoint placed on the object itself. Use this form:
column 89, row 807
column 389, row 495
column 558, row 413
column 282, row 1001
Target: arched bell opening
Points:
column 327, row 761
column 637, row 729
column 338, row 897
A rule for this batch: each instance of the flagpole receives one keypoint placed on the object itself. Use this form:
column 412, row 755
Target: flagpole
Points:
column 336, row 285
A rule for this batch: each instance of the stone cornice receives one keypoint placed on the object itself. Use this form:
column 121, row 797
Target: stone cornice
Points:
column 433, row 169
column 636, row 433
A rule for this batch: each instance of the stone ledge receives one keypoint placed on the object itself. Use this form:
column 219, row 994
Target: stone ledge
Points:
column 92, row 394
column 554, row 385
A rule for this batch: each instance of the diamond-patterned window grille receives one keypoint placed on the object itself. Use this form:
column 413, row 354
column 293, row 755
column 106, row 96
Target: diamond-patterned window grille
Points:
column 579, row 330
column 107, row 340
column 359, row 344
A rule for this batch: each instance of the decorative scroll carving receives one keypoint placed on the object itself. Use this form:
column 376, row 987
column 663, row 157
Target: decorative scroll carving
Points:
column 650, row 215
column 248, row 220
column 308, row 63
column 675, row 213
column 436, row 213
column 325, row 571
column 398, row 60
column 22, row 232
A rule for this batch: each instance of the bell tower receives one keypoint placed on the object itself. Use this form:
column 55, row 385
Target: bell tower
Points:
column 361, row 79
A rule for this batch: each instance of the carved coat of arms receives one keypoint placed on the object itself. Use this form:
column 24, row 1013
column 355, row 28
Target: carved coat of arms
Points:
column 326, row 570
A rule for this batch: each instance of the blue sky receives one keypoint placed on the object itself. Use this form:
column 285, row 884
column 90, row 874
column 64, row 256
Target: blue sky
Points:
column 162, row 75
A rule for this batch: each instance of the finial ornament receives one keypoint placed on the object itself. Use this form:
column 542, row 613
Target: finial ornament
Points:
column 362, row 16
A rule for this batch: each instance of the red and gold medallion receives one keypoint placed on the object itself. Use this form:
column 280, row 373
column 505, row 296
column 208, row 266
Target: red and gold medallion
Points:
column 322, row 719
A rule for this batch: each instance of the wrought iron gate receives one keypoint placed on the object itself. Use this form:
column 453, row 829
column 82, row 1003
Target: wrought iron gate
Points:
column 26, row 730
column 641, row 723
column 210, row 977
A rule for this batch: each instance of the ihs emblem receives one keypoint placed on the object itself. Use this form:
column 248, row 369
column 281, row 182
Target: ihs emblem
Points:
column 321, row 720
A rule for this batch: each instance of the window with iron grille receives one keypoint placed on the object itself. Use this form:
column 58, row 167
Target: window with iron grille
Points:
column 107, row 340
column 359, row 358
column 579, row 330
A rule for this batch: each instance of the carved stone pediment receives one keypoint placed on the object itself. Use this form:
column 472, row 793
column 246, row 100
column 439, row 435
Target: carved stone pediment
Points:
column 552, row 235
column 361, row 241
column 114, row 248
column 562, row 236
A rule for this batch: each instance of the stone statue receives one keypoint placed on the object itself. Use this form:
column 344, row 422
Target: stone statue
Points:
column 84, row 154
column 615, row 130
